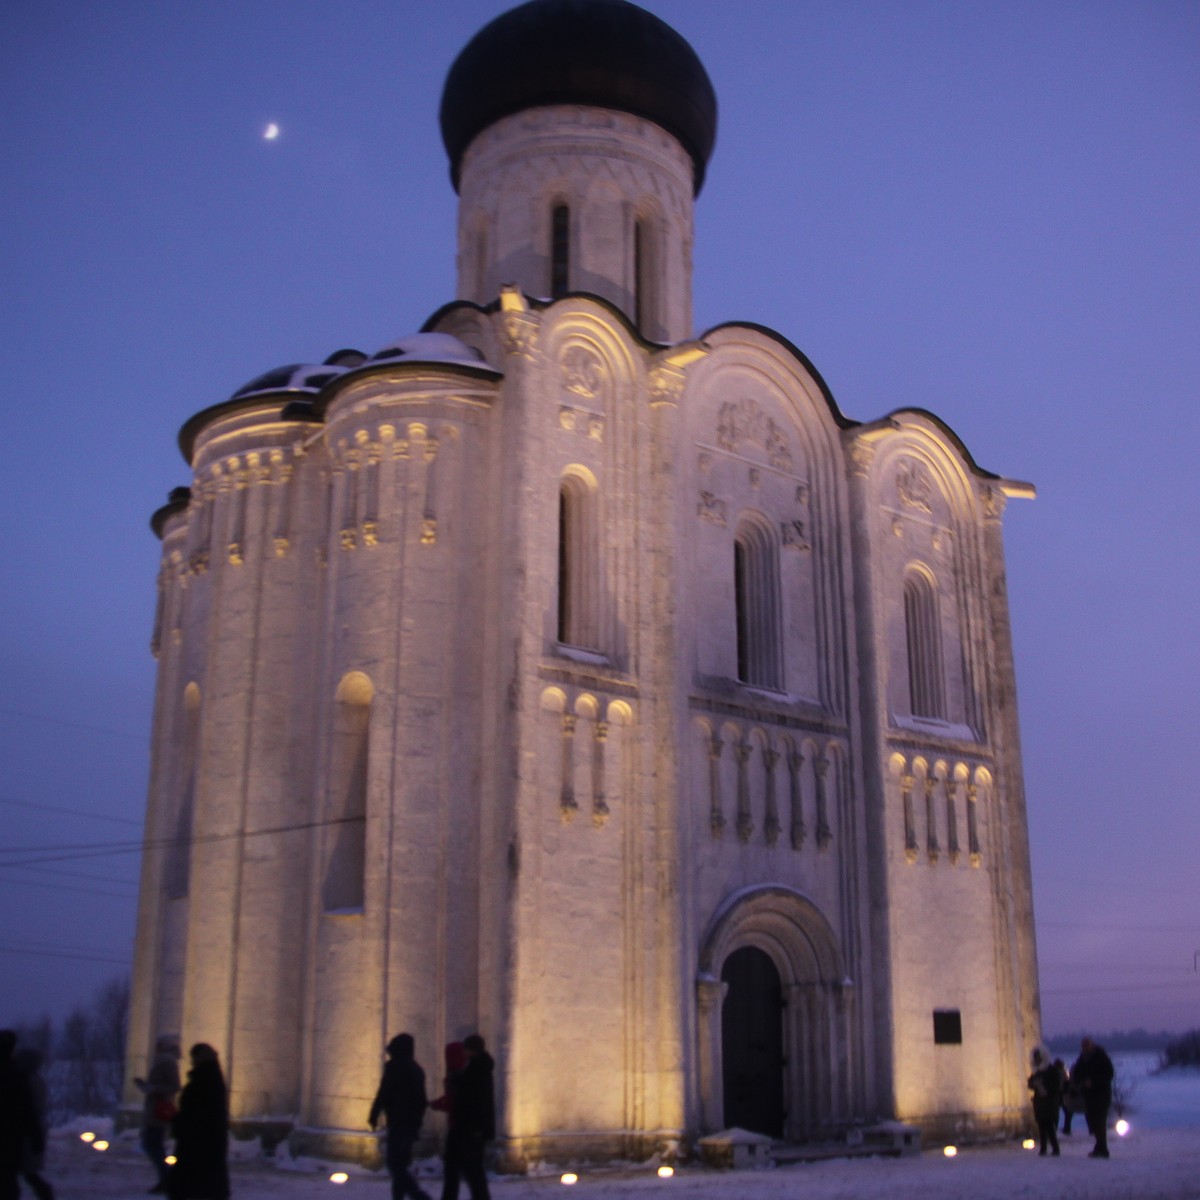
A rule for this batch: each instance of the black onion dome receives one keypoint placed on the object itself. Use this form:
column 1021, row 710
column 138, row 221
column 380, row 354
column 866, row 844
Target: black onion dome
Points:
column 607, row 53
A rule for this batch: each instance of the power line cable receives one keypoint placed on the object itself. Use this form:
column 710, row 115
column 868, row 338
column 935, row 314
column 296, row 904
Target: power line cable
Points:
column 68, row 852
column 67, row 887
column 120, row 962
column 73, row 812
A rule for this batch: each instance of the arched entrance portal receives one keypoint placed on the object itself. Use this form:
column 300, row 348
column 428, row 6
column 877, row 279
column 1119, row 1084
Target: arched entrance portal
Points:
column 774, row 1015
column 752, row 1042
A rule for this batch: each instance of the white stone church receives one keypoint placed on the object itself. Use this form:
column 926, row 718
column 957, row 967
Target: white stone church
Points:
column 563, row 673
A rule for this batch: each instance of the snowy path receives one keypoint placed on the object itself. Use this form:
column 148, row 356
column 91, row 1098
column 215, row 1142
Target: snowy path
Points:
column 1155, row 1164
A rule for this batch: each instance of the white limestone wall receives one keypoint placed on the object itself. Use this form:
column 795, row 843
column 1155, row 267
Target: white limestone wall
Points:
column 952, row 935
column 611, row 170
column 409, row 465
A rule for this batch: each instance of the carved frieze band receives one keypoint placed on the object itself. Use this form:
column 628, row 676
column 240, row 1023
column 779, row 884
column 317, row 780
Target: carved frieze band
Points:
column 949, row 781
column 758, row 790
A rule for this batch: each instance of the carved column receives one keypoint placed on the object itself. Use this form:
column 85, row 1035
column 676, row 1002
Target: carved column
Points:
column 907, row 783
column 932, row 849
column 795, row 762
column 710, row 994
column 824, row 832
column 771, row 825
column 716, row 818
column 952, row 847
column 599, row 804
column 429, row 513
column 567, row 803
column 973, row 825
column 745, row 822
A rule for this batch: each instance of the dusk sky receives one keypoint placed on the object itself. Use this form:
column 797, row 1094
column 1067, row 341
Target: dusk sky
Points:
column 986, row 209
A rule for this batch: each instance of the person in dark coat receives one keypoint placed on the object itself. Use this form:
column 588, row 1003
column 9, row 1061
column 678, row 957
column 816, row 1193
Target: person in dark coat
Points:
column 401, row 1099
column 1072, row 1097
column 201, row 1129
column 20, row 1131
column 1094, row 1074
column 29, row 1062
column 456, row 1061
column 475, row 1115
column 1046, row 1085
column 160, row 1088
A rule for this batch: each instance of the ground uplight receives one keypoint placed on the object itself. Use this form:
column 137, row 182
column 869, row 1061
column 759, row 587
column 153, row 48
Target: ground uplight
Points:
column 1028, row 1144
column 339, row 1177
column 99, row 1144
column 87, row 1137
column 569, row 1177
column 170, row 1160
column 1122, row 1127
column 665, row 1172
column 950, row 1151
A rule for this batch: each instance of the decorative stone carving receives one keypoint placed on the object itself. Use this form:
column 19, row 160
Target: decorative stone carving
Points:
column 666, row 385
column 583, row 373
column 994, row 502
column 792, row 535
column 519, row 333
column 914, row 486
column 795, row 763
column 932, row 849
column 740, row 421
column 599, row 803
column 712, row 509
column 771, row 826
column 824, row 832
column 952, row 847
column 568, row 805
column 862, row 457
column 566, row 418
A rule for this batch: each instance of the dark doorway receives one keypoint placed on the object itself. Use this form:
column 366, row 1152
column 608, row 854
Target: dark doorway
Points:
column 752, row 1043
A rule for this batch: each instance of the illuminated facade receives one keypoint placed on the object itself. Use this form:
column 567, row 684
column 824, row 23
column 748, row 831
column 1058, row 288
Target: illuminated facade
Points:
column 560, row 673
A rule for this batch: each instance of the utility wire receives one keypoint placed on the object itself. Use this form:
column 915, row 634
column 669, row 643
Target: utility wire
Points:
column 81, row 850
column 99, row 958
column 73, row 812
column 67, row 887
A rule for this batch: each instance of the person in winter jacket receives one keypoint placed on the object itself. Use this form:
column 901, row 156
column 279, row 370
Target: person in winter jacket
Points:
column 456, row 1061
column 201, row 1129
column 1094, row 1074
column 401, row 1099
column 20, row 1131
column 33, row 1161
column 475, row 1115
column 1046, row 1085
column 160, row 1087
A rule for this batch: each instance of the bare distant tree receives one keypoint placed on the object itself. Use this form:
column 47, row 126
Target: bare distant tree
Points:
column 91, row 1053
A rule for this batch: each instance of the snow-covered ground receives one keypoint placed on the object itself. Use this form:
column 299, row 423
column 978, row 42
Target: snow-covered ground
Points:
column 1158, row 1160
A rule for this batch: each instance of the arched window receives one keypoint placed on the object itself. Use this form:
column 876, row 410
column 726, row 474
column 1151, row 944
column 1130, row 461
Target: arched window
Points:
column 179, row 854
column 645, row 277
column 926, row 687
column 578, row 562
column 560, row 251
column 347, row 798
column 756, row 597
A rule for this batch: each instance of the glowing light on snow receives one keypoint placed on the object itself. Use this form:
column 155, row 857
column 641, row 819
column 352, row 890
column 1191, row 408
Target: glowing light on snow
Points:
column 665, row 1172
column 339, row 1177
column 569, row 1178
column 950, row 1151
column 1122, row 1127
column 1027, row 1144
column 87, row 1137
column 100, row 1145
column 170, row 1160
column 271, row 132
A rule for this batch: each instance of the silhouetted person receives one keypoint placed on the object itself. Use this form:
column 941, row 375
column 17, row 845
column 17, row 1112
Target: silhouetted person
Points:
column 1094, row 1074
column 456, row 1061
column 1072, row 1098
column 1046, row 1085
column 401, row 1099
column 475, row 1115
column 201, row 1128
column 20, row 1130
column 161, row 1087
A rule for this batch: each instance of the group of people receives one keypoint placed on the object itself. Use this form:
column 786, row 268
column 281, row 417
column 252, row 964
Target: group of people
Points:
column 22, row 1120
column 468, row 1100
column 199, row 1122
column 1086, row 1087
